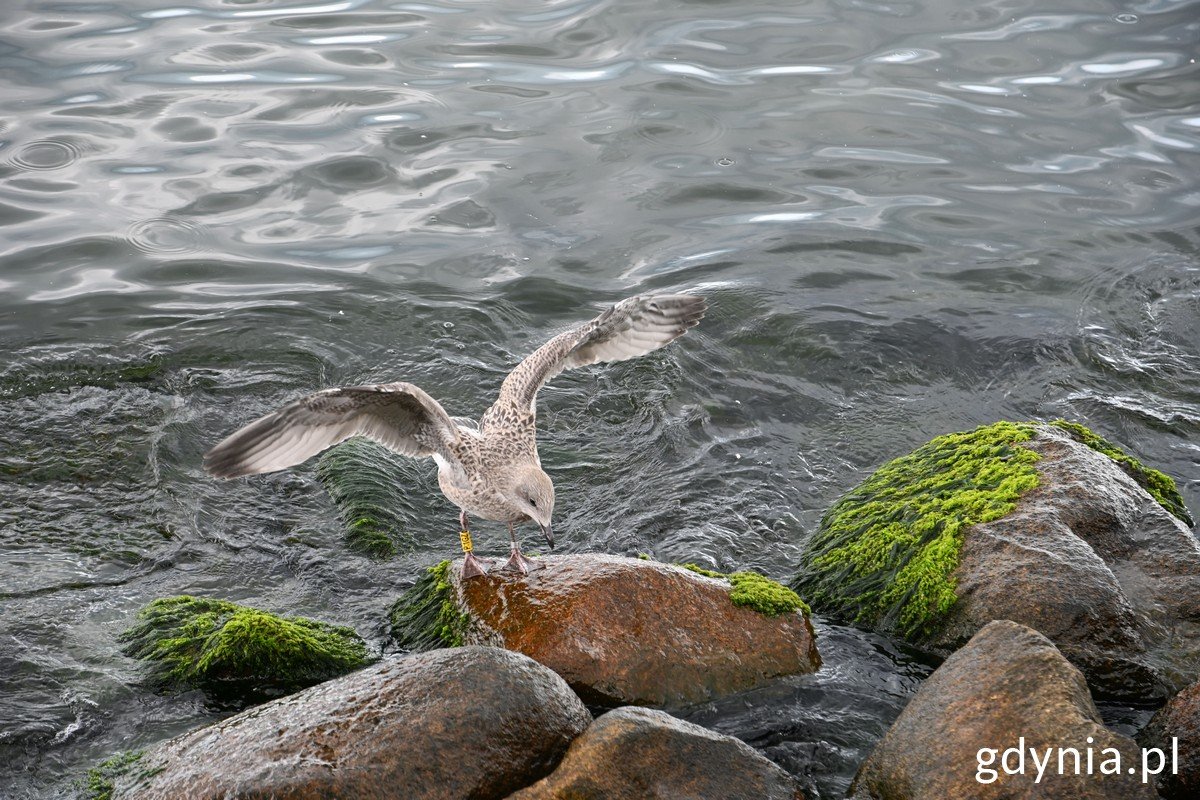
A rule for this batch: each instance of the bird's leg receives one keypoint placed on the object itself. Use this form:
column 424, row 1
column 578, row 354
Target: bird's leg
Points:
column 516, row 562
column 472, row 566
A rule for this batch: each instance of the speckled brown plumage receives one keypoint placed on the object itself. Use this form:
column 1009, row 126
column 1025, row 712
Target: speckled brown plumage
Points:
column 491, row 471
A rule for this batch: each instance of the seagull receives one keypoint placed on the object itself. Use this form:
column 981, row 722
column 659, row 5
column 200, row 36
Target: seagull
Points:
column 491, row 469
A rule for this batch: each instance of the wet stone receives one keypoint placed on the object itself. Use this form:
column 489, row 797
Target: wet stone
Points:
column 1009, row 687
column 474, row 722
column 1175, row 731
column 624, row 631
column 641, row 754
column 1092, row 561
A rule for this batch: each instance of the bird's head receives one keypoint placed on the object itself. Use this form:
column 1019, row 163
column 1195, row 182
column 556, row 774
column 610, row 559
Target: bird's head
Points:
column 533, row 494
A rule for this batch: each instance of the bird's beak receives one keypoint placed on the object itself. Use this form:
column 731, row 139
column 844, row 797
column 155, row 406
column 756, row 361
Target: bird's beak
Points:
column 548, row 532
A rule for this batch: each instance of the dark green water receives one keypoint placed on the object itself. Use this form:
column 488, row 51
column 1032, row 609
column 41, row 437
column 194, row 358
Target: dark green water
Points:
column 910, row 218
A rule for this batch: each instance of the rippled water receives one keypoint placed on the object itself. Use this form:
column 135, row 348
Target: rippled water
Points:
column 910, row 217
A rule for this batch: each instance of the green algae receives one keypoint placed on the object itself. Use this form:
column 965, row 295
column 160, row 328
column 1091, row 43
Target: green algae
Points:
column 100, row 780
column 230, row 649
column 370, row 536
column 361, row 477
column 886, row 552
column 426, row 616
column 756, row 592
column 764, row 595
column 1159, row 485
column 699, row 570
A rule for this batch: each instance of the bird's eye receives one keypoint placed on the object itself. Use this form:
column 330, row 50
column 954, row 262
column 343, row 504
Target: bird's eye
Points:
column 533, row 502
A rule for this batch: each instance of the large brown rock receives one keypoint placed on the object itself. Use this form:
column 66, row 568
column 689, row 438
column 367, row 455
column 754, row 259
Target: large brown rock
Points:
column 625, row 631
column 1092, row 561
column 1178, row 720
column 472, row 722
column 640, row 754
column 1007, row 687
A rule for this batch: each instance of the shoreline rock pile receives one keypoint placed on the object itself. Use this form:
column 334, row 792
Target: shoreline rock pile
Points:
column 464, row 722
column 1043, row 563
column 484, row 712
column 1036, row 523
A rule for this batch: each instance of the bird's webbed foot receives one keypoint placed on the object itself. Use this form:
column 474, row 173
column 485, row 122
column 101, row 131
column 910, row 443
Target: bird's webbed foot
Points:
column 517, row 562
column 474, row 567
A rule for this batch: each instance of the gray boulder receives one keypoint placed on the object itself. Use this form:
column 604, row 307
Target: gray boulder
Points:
column 1007, row 688
column 477, row 722
column 640, row 754
column 1175, row 732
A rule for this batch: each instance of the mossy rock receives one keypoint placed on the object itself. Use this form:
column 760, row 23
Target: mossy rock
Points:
column 427, row 616
column 237, row 653
column 100, row 779
column 886, row 553
column 361, row 478
column 620, row 630
column 757, row 592
column 1160, row 485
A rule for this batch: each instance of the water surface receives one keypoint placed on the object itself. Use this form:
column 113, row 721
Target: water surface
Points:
column 910, row 218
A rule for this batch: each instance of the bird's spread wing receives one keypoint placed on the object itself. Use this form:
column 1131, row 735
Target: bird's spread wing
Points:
column 632, row 327
column 397, row 415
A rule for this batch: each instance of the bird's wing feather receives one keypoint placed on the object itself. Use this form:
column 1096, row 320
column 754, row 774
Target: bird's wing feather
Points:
column 633, row 327
column 466, row 424
column 399, row 416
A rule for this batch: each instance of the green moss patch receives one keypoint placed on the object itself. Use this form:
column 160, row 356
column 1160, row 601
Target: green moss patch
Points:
column 361, row 478
column 763, row 595
column 699, row 570
column 756, row 592
column 426, row 616
column 237, row 652
column 100, row 779
column 885, row 553
column 1160, row 485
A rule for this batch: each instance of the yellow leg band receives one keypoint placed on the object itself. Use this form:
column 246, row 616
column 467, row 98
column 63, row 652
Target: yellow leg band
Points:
column 465, row 538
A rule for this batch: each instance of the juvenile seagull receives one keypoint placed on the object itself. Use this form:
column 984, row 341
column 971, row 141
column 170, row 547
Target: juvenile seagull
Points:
column 490, row 470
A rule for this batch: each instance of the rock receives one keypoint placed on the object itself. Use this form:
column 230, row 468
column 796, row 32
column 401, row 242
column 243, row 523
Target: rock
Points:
column 640, row 754
column 1179, row 719
column 1007, row 688
column 1043, row 524
column 475, row 722
column 98, row 783
column 621, row 631
column 361, row 477
column 236, row 654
